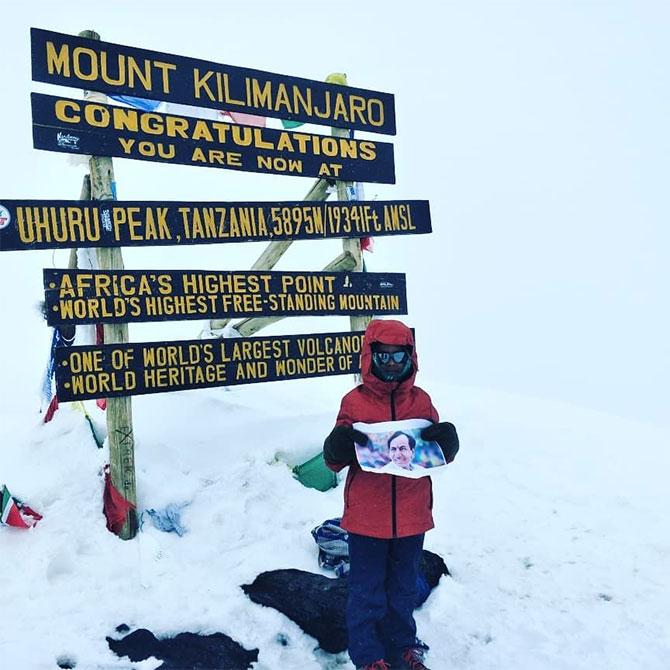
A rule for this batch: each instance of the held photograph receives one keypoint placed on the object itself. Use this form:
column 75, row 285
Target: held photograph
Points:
column 396, row 447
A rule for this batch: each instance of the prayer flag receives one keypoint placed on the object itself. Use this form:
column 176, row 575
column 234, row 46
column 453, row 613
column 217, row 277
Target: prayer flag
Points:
column 14, row 513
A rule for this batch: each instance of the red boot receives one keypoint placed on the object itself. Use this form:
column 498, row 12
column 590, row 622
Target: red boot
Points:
column 412, row 659
column 381, row 664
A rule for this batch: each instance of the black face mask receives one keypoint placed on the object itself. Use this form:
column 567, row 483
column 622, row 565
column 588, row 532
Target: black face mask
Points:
column 397, row 373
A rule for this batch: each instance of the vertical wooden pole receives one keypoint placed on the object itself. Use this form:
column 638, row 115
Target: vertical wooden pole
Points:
column 349, row 245
column 119, row 410
column 85, row 194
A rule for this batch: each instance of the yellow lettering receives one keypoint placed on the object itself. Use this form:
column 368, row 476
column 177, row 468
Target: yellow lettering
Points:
column 259, row 142
column 92, row 75
column 126, row 144
column 340, row 108
column 282, row 99
column 176, row 126
column 61, row 111
column 58, row 62
column 379, row 120
column 202, row 131
column 284, row 143
column 300, row 101
column 165, row 69
column 121, row 69
column 226, row 95
column 97, row 116
column 262, row 97
column 134, row 70
column 125, row 119
column 150, row 123
column 357, row 104
column 200, row 85
column 368, row 150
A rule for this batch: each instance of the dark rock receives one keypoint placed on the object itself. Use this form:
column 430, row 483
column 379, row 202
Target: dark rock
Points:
column 137, row 646
column 317, row 603
column 186, row 651
column 432, row 567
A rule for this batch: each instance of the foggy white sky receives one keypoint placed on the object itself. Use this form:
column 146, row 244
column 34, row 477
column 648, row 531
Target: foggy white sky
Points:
column 537, row 130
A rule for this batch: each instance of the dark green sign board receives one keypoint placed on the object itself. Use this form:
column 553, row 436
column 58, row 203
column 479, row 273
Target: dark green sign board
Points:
column 126, row 296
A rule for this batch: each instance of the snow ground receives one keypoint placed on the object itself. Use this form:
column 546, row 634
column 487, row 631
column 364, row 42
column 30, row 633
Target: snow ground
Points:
column 552, row 521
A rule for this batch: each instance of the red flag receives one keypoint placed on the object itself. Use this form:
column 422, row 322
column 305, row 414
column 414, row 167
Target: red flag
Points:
column 51, row 410
column 115, row 506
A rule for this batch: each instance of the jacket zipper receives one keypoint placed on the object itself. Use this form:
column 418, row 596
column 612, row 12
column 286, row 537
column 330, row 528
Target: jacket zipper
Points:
column 394, row 520
column 348, row 489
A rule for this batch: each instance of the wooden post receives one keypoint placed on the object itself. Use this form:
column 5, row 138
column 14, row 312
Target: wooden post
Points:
column 253, row 324
column 119, row 410
column 275, row 250
column 350, row 245
column 84, row 195
column 69, row 332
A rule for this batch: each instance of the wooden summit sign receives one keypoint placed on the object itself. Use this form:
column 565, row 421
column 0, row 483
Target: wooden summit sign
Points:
column 113, row 68
column 126, row 296
column 157, row 367
column 92, row 128
column 54, row 224
column 120, row 369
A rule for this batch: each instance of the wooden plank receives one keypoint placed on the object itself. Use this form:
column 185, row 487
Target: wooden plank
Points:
column 113, row 370
column 133, row 296
column 158, row 367
column 118, row 69
column 57, row 224
column 67, row 125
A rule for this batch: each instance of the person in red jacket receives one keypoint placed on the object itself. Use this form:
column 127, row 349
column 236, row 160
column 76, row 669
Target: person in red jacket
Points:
column 385, row 516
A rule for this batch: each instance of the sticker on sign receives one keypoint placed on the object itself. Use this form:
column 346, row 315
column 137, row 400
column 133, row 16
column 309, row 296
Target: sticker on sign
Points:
column 5, row 217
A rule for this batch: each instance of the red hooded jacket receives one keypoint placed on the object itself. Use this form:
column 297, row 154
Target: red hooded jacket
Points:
column 383, row 505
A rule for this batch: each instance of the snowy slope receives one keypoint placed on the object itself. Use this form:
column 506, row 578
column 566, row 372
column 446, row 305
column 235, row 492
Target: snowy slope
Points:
column 551, row 521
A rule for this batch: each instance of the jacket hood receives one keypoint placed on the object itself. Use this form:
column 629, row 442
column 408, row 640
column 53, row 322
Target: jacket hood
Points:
column 386, row 331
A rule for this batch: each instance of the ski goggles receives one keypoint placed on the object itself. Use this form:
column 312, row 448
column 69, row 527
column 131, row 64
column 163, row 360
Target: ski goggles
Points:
column 384, row 357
